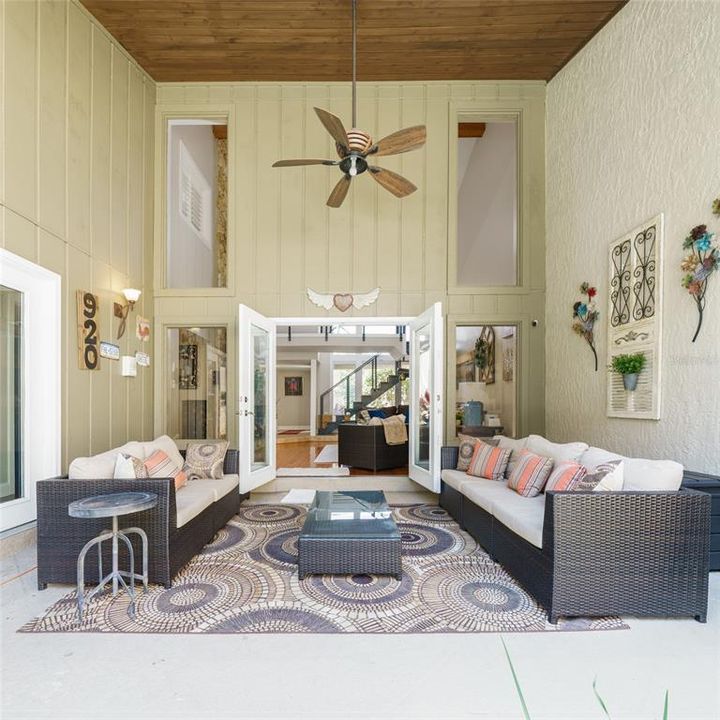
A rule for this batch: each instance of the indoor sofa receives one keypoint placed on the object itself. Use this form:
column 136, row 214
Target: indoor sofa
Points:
column 178, row 527
column 364, row 446
column 641, row 551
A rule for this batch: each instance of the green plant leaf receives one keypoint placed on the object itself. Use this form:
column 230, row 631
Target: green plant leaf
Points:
column 665, row 707
column 526, row 714
column 600, row 700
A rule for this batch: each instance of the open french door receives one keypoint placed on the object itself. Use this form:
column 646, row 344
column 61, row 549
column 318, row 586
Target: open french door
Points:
column 427, row 349
column 256, row 402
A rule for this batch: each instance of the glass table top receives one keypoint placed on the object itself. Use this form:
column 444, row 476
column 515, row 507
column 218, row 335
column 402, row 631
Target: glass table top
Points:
column 348, row 514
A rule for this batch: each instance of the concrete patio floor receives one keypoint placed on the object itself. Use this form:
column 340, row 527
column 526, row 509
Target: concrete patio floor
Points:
column 351, row 676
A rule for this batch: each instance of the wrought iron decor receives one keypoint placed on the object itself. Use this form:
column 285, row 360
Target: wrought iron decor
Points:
column 634, row 318
column 487, row 373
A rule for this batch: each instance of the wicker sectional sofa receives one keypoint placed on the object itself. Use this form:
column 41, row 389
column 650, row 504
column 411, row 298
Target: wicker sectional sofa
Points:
column 178, row 528
column 591, row 554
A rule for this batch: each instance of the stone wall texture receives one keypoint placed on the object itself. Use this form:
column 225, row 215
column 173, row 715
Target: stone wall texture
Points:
column 633, row 129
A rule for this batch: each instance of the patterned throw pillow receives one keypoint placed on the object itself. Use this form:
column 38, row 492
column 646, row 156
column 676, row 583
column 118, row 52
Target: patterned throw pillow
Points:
column 128, row 467
column 204, row 460
column 565, row 476
column 488, row 461
column 467, row 448
column 530, row 473
column 159, row 465
column 606, row 477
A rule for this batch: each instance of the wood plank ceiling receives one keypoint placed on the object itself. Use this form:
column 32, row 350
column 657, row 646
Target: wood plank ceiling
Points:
column 304, row 40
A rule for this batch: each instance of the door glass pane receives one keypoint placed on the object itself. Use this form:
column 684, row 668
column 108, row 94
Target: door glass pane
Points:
column 487, row 207
column 197, row 193
column 261, row 343
column 422, row 423
column 11, row 392
column 197, row 383
column 486, row 379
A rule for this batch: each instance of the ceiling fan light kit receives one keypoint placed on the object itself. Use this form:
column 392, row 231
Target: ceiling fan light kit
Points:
column 354, row 147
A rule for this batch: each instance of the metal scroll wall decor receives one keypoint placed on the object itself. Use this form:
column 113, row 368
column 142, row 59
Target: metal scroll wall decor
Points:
column 485, row 355
column 634, row 318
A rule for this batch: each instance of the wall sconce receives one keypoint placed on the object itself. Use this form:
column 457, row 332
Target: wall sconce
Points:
column 122, row 311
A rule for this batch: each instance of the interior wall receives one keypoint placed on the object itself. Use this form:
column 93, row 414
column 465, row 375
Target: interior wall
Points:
column 76, row 197
column 487, row 207
column 293, row 410
column 282, row 238
column 191, row 263
column 632, row 133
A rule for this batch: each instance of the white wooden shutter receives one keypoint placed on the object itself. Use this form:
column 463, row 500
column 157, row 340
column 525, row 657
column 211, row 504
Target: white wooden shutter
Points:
column 635, row 318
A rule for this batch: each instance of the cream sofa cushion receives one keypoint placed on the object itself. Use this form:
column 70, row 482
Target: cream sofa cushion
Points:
column 456, row 478
column 652, row 475
column 515, row 446
column 191, row 500
column 102, row 466
column 559, row 452
column 220, row 486
column 167, row 445
column 484, row 493
column 523, row 515
column 595, row 456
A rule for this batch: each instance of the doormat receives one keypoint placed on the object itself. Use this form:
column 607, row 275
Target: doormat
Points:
column 246, row 581
column 329, row 454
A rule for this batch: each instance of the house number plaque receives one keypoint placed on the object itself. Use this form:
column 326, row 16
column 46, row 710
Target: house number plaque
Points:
column 88, row 331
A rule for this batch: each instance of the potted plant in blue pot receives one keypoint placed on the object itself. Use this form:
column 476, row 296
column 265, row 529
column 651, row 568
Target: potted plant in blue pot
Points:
column 630, row 367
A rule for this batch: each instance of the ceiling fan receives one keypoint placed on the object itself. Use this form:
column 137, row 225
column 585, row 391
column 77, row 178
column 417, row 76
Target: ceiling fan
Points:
column 356, row 148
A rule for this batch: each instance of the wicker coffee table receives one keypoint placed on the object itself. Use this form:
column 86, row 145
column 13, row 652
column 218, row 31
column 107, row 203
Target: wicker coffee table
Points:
column 348, row 533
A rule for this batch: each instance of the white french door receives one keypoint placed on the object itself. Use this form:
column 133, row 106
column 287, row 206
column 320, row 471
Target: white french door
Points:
column 29, row 384
column 256, row 402
column 427, row 349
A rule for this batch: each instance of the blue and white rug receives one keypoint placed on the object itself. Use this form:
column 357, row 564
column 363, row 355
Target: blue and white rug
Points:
column 246, row 581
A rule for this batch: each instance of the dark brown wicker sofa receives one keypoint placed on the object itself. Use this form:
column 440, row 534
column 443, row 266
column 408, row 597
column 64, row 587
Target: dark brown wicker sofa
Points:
column 603, row 553
column 61, row 537
column 364, row 446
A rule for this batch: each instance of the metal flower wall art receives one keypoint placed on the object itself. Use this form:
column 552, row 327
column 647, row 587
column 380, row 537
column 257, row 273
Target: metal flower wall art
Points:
column 702, row 260
column 584, row 316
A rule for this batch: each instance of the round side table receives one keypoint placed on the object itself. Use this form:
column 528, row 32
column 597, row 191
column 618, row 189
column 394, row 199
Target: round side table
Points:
column 112, row 505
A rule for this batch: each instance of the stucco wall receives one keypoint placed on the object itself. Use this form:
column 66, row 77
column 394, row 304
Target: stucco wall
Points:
column 633, row 129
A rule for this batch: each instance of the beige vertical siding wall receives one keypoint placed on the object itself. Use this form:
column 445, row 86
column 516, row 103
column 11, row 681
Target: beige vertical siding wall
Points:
column 76, row 195
column 283, row 238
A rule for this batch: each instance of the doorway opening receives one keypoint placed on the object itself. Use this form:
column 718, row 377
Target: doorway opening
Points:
column 361, row 392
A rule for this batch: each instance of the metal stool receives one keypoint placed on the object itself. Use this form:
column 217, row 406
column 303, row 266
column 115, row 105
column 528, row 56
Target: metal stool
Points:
column 112, row 505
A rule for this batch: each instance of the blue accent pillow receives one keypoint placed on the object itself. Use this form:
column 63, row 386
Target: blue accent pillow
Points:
column 376, row 413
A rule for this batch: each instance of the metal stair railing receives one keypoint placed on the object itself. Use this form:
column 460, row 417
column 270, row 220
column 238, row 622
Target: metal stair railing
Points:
column 371, row 362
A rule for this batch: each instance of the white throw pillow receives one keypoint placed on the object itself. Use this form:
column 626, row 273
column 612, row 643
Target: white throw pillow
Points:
column 559, row 452
column 102, row 466
column 595, row 456
column 124, row 468
column 652, row 475
column 605, row 478
column 167, row 445
column 515, row 446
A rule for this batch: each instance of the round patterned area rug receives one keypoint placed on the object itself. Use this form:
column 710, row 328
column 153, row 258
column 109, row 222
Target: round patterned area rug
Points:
column 246, row 581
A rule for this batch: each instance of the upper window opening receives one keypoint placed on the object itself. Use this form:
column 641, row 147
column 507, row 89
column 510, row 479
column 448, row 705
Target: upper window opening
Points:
column 487, row 217
column 197, row 204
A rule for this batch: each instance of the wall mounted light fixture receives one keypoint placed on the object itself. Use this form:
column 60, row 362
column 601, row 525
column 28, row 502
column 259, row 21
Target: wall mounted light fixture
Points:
column 122, row 311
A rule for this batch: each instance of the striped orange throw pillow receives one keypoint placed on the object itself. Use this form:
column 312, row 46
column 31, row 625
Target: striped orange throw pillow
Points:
column 565, row 476
column 159, row 465
column 530, row 473
column 488, row 461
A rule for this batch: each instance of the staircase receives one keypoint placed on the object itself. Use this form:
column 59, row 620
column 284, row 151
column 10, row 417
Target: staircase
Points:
column 354, row 405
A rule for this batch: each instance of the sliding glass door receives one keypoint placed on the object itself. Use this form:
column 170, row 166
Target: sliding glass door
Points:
column 29, row 384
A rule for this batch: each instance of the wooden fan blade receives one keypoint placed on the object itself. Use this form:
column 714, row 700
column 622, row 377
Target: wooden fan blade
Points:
column 292, row 163
column 396, row 184
column 335, row 127
column 339, row 192
column 410, row 138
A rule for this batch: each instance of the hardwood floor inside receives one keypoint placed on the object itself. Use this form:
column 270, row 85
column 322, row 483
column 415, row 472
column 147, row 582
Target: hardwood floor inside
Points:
column 303, row 454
